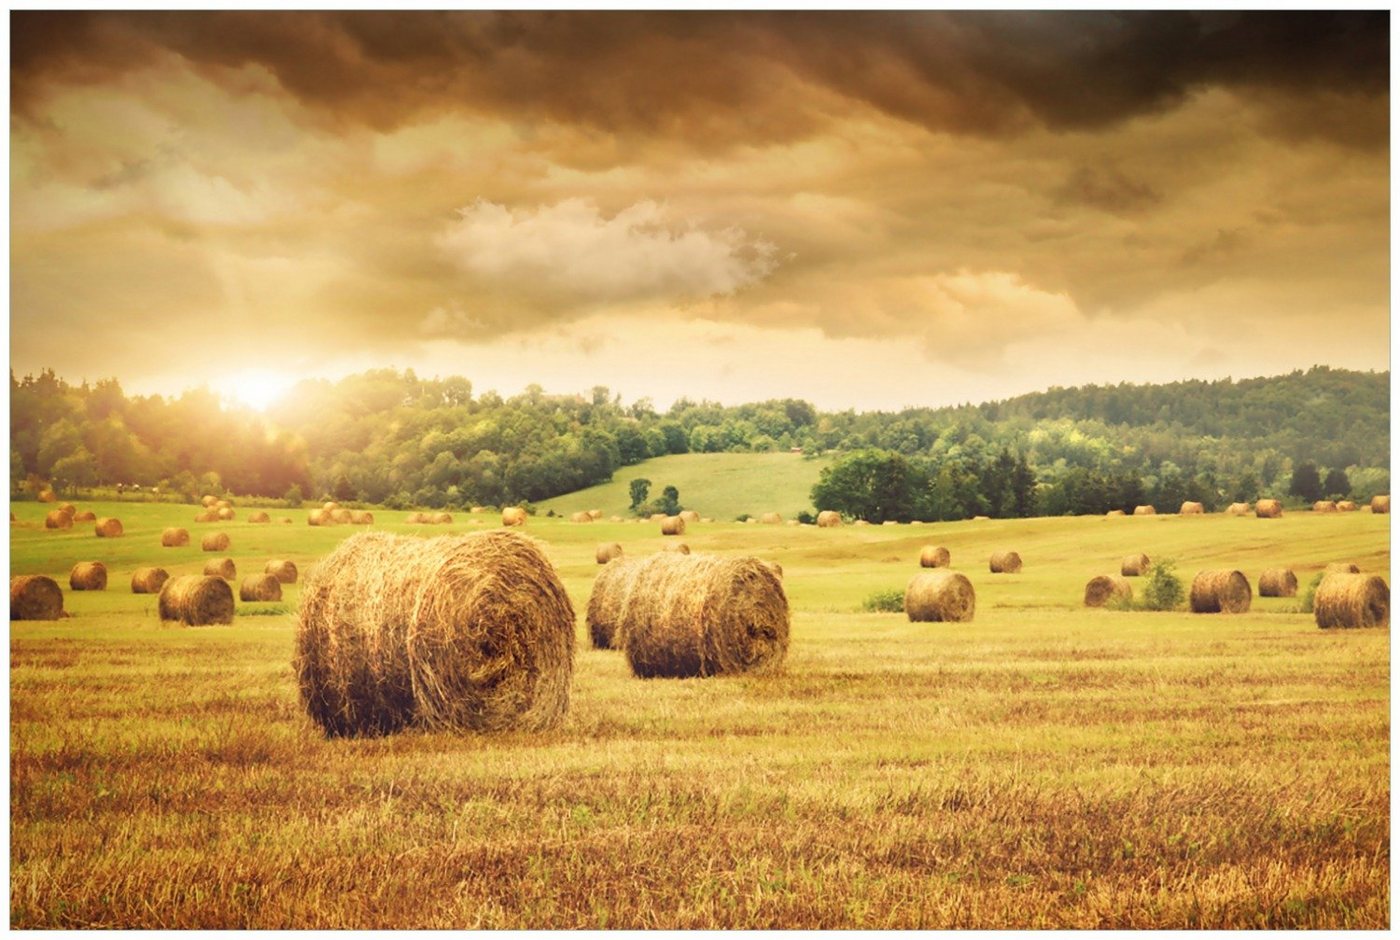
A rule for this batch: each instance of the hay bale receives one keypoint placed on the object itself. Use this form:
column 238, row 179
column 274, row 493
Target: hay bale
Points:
column 615, row 519
column 1342, row 567
column 465, row 633
column 223, row 504
column 47, row 496
column 1220, row 591
column 611, row 591
column 283, row 570
column 889, row 522
column 215, row 542
column 440, row 518
column 415, row 518
column 981, row 518
column 68, row 508
column 770, row 518
column 1268, row 509
column 940, row 596
column 828, row 519
column 862, row 522
column 361, row 517
column 1324, row 505
column 196, row 601
column 54, row 519
column 340, row 516
column 776, row 568
column 224, row 514
column 318, row 517
column 1135, row 566
column 1144, row 510
column 475, row 510
column 87, row 515
column 108, row 528
column 1005, row 563
column 1380, row 504
column 1189, row 508
column 260, row 587
column 934, row 556
column 148, row 580
column 220, row 568
column 259, row 517
column 703, row 615
column 1114, row 513
column 606, row 552
column 706, row 519
column 1237, row 509
column 1278, row 582
column 689, row 515
column 174, row 538
column 209, row 515
column 1352, row 600
column 1346, row 505
column 35, row 597
column 792, row 522
column 1106, row 587
column 596, row 514
column 88, row 576
column 330, row 507
column 580, row 517
column 512, row 515
column 678, row 547
column 673, row 525
column 207, row 500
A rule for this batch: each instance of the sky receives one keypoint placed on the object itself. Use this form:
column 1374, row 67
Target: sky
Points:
column 864, row 210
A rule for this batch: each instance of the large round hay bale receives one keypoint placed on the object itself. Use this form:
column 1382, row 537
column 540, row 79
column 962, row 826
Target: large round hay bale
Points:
column 512, row 515
column 174, row 537
column 56, row 519
column 224, row 513
column 88, row 576
column 207, row 500
column 1135, row 565
column 260, row 587
column 1346, row 505
column 771, row 518
column 678, row 547
column 1342, row 567
column 828, row 519
column 68, row 508
column 1114, row 513
column 606, row 552
column 208, row 515
column 1237, row 509
column 467, row 633
column 596, row 514
column 283, row 570
column 86, row 515
column 689, row 515
column 1352, row 600
column 220, row 568
column 1144, row 510
column 441, row 518
column 1268, row 509
column 47, row 496
column 196, row 601
column 318, row 517
column 934, row 556
column 1324, row 505
column 340, row 516
column 703, row 615
column 259, row 517
column 1005, row 563
column 215, row 542
column 580, row 517
column 223, row 504
column 1190, row 508
column 611, row 590
column 148, row 580
column 673, row 525
column 1380, row 504
column 108, row 528
column 1278, row 582
column 1106, row 587
column 330, row 507
column 35, row 597
column 939, row 596
column 1220, row 591
column 361, row 517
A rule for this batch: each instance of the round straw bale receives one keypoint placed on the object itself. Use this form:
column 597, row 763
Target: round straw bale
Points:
column 1237, row 509
column 441, row 518
column 673, row 525
column 215, row 542
column 1106, row 587
column 260, row 587
column 1144, row 510
column 220, row 568
column 792, row 522
column 87, row 515
column 828, row 519
column 67, row 507
column 939, row 596
column 174, row 538
column 330, row 507
column 1352, row 600
column 207, row 500
column 259, row 517
column 225, row 514
column 55, row 519
column 770, row 518
column 679, row 547
column 1380, row 504
column 981, row 518
column 35, row 597
column 108, row 528
column 1268, row 509
column 703, row 615
column 1005, row 563
column 606, row 552
column 209, row 515
column 611, row 590
column 657, row 517
column 467, row 633
column 1190, row 508
column 361, row 517
column 580, row 517
column 414, row 518
column 318, row 517
column 614, row 518
column 775, row 567
column 1135, row 566
column 1346, row 505
column 1342, row 567
column 223, row 504
column 1112, row 513
column 285, row 571
column 1220, row 591
column 1324, row 505
column 596, row 514
column 512, row 515
column 689, row 516
column 340, row 516
column 890, row 522
column 88, row 576
column 862, row 522
column 474, row 510
column 1278, row 582
column 47, row 496
column 148, row 580
column 196, row 601
column 934, row 556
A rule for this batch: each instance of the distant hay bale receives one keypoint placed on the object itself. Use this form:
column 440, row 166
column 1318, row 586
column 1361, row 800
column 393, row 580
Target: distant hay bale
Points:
column 679, row 547
column 474, row 510
column 209, row 515
column 108, row 528
column 259, row 517
column 340, row 516
column 225, row 514
column 318, row 517
column 512, row 515
column 689, row 515
column 1380, row 504
column 361, row 517
column 47, row 496
column 981, row 518
column 580, row 517
column 223, row 504
column 1135, row 566
column 792, row 522
column 596, row 514
column 414, row 518
column 35, row 597
column 1237, row 509
column 939, row 596
column 56, row 519
column 220, row 568
column 1352, row 600
column 196, row 601
column 770, row 518
column 703, row 615
column 1324, row 505
column 88, row 576
column 611, row 590
column 441, row 518
column 174, row 538
column 1220, row 591
column 889, row 522
column 330, row 507
column 934, row 556
column 208, row 501
column 67, row 507
column 862, row 522
column 1342, row 567
column 828, row 519
column 1346, row 505
column 1190, row 508
column 148, row 580
column 463, row 633
column 260, row 587
column 1113, row 513
column 283, row 570
column 606, row 552
column 1268, row 509
column 87, row 515
column 1005, row 563
column 614, row 518
column 1144, row 510
column 1106, row 587
column 215, row 542
column 706, row 519
column 673, row 525
column 1278, row 582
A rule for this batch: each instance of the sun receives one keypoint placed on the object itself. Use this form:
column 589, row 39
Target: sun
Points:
column 256, row 388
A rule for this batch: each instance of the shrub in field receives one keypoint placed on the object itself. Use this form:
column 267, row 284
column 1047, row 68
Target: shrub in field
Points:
column 1163, row 590
column 1310, row 592
column 889, row 601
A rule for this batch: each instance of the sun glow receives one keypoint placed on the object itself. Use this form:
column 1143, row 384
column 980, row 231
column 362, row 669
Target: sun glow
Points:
column 256, row 388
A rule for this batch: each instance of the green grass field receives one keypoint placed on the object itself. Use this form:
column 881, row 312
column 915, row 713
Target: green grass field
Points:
column 1042, row 766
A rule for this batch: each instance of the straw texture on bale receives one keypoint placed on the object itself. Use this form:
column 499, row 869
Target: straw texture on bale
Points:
column 68, row 508
column 223, row 504
column 1352, row 600
column 340, row 516
column 1144, row 510
column 464, row 633
column 1346, row 505
column 512, row 515
column 108, row 528
column 174, row 538
column 148, row 580
column 330, row 507
column 1237, row 509
column 207, row 501
column 940, row 596
column 1278, row 582
column 1220, row 591
column 611, row 592
column 47, row 496
column 318, row 517
column 703, row 615
column 1268, row 509
column 689, row 515
column 771, row 518
column 259, row 517
column 215, row 542
column 87, row 515
column 56, row 519
column 196, row 601
column 221, row 568
column 673, row 525
column 934, row 556
column 828, row 518
column 1342, row 567
column 1135, row 566
column 1324, row 505
column 1106, row 587
column 224, row 514
column 88, row 576
column 35, row 597
column 1005, row 563
column 1189, row 508
column 580, row 517
column 285, row 571
column 678, row 547
column 361, row 517
column 260, row 587
column 209, row 515
column 1380, row 504
column 606, row 552
column 774, row 567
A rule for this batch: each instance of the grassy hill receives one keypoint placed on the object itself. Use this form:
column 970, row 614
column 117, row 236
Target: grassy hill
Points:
column 720, row 486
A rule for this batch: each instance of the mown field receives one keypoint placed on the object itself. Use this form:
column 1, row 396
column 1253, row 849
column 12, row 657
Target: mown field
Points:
column 1042, row 766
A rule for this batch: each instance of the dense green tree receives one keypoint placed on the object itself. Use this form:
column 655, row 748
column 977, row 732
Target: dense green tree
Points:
column 638, row 490
column 1306, row 483
column 1337, row 485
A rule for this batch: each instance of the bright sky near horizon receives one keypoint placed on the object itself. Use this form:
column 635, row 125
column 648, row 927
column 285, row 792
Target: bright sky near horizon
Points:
column 863, row 210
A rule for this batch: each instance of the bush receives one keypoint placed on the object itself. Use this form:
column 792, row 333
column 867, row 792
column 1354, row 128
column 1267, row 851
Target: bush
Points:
column 742, row 517
column 806, row 518
column 1163, row 590
column 890, row 601
column 1309, row 592
column 293, row 496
